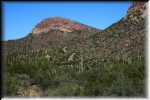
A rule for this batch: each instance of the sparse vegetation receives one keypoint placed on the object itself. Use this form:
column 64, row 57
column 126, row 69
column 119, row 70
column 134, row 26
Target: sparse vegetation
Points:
column 113, row 77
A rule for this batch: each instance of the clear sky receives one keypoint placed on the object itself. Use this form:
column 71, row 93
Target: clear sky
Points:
column 19, row 18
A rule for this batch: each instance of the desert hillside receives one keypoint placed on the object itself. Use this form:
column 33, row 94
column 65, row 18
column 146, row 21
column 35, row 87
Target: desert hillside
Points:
column 62, row 57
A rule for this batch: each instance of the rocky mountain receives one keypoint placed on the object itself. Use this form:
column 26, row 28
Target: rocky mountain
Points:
column 62, row 57
column 127, row 36
column 61, row 24
column 52, row 31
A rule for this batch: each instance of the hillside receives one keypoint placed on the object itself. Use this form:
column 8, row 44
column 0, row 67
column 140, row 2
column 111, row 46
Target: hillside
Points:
column 126, row 37
column 61, row 57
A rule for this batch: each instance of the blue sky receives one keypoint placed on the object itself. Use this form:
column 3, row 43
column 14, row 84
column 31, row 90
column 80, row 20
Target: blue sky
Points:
column 19, row 18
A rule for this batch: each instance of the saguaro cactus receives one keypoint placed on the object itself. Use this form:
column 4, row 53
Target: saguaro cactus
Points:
column 71, row 57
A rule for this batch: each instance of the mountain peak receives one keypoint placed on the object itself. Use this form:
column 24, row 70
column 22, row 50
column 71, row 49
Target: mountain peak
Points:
column 136, row 12
column 57, row 23
column 138, row 8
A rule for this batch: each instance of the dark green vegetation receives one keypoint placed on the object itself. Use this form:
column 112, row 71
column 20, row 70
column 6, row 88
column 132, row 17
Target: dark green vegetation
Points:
column 80, row 63
column 90, row 77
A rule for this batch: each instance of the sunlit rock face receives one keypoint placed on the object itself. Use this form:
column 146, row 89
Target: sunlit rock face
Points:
column 137, row 11
column 57, row 23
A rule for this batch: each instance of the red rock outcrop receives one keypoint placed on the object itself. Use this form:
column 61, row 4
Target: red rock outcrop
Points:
column 57, row 23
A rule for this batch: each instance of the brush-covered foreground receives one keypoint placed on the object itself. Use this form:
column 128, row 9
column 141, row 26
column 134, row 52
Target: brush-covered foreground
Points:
column 80, row 77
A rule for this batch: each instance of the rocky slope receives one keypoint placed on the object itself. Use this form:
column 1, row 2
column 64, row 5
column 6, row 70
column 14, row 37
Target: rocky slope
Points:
column 58, row 31
column 127, row 36
column 59, row 23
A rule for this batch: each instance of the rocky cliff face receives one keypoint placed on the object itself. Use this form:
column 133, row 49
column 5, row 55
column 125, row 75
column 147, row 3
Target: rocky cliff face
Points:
column 136, row 12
